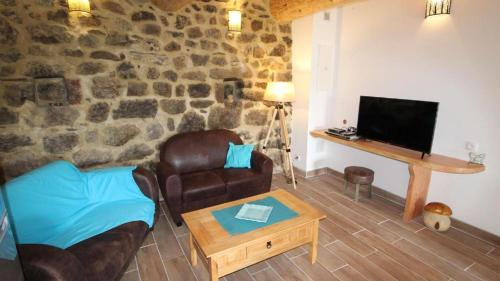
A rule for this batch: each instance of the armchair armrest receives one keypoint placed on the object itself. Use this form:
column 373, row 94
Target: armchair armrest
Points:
column 148, row 184
column 171, row 189
column 261, row 162
column 264, row 165
column 47, row 263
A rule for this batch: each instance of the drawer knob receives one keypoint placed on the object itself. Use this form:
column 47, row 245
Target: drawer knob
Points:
column 269, row 245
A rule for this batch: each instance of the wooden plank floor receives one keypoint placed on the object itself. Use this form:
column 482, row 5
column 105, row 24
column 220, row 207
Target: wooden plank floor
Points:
column 358, row 241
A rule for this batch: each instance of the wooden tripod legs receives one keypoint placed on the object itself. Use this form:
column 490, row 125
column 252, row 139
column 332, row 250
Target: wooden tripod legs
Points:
column 287, row 155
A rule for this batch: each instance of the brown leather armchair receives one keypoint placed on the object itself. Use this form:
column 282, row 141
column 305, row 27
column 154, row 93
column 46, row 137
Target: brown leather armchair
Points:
column 103, row 257
column 191, row 172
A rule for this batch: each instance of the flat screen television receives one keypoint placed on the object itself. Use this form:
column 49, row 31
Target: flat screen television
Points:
column 405, row 123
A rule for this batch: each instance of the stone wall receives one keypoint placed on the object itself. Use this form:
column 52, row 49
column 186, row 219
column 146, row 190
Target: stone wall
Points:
column 135, row 76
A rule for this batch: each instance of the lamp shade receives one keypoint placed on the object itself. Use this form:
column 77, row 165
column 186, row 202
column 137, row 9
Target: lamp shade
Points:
column 79, row 6
column 234, row 20
column 280, row 92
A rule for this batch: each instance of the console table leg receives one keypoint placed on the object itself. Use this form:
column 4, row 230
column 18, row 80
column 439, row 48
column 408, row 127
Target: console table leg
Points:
column 418, row 187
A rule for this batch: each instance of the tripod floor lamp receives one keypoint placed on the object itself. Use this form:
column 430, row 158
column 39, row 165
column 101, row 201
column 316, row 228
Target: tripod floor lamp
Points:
column 281, row 92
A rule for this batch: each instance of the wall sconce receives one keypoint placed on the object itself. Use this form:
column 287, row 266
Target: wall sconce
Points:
column 234, row 20
column 79, row 6
column 437, row 7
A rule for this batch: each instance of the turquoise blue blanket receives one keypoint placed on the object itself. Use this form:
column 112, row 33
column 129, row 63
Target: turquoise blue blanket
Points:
column 234, row 226
column 60, row 206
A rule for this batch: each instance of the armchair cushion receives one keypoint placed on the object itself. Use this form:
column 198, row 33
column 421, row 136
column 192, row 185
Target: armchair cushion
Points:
column 202, row 185
column 242, row 183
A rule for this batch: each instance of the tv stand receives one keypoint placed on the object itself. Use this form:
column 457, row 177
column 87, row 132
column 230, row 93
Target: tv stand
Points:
column 423, row 155
column 420, row 169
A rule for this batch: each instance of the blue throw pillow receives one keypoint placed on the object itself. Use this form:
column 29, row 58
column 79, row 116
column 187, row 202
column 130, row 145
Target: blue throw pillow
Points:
column 239, row 156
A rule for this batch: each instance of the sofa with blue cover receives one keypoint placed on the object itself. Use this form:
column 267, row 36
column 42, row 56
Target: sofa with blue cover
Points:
column 69, row 254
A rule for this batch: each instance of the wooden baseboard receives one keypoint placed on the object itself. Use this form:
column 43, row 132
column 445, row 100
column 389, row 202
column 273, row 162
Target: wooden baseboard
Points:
column 309, row 174
column 458, row 224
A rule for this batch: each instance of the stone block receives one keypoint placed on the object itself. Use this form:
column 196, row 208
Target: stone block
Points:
column 105, row 88
column 180, row 90
column 16, row 93
column 49, row 34
column 22, row 162
column 76, row 53
column 105, row 55
column 113, row 7
column 153, row 73
column 60, row 144
column 173, row 106
column 170, row 75
column 201, row 103
column 136, row 152
column 118, row 39
column 194, row 33
column 200, row 90
column 191, row 122
column 61, row 116
column 143, row 16
column 195, row 76
column 37, row 69
column 151, row 29
column 256, row 117
column 224, row 117
column 137, row 89
column 199, row 60
column 90, row 68
column 91, row 157
column 172, row 47
column 11, row 55
column 154, row 131
column 98, row 112
column 162, row 89
column 119, row 135
column 126, row 70
column 9, row 142
column 136, row 109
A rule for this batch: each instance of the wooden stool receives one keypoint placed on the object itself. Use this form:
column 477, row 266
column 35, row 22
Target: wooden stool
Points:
column 358, row 176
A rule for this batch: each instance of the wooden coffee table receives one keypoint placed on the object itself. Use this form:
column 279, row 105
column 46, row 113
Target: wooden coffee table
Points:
column 224, row 254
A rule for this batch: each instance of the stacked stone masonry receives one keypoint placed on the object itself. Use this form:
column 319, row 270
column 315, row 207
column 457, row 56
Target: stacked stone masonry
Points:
column 135, row 76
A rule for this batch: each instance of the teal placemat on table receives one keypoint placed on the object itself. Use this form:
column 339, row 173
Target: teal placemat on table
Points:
column 226, row 217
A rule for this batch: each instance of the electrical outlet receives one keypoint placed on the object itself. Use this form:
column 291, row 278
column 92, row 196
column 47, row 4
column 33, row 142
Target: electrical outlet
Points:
column 471, row 146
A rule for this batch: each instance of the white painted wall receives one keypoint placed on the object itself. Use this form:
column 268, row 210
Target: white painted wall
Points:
column 301, row 70
column 387, row 48
column 313, row 65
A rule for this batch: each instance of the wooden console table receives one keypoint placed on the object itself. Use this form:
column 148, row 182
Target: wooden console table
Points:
column 420, row 169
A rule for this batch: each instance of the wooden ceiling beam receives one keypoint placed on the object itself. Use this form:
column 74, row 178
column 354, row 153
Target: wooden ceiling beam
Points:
column 170, row 5
column 287, row 10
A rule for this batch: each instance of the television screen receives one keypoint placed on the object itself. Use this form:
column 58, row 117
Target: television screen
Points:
column 406, row 123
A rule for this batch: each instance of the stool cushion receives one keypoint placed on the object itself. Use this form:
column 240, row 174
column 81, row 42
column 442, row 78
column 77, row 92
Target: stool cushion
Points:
column 359, row 175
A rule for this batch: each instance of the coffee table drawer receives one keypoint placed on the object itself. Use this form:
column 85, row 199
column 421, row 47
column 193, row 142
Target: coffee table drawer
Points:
column 280, row 242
